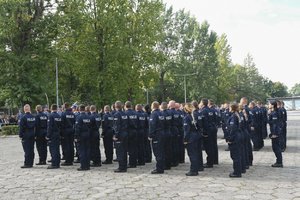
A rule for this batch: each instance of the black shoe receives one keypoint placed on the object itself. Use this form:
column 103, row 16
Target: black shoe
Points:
column 201, row 169
column 243, row 171
column 174, row 165
column 63, row 158
column 131, row 166
column 232, row 175
column 41, row 163
column 208, row 166
column 282, row 150
column 96, row 165
column 247, row 167
column 141, row 164
column 82, row 169
column 66, row 164
column 251, row 164
column 49, row 161
column 26, row 166
column 216, row 163
column 148, row 161
column 181, row 162
column 107, row 162
column 167, row 168
column 77, row 161
column 115, row 160
column 156, row 172
column 277, row 165
column 227, row 149
column 120, row 171
column 192, row 174
column 256, row 149
column 52, row 167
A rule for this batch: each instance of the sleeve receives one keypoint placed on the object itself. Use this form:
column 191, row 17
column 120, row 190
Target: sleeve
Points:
column 186, row 128
column 78, row 125
column 22, row 127
column 50, row 125
column 152, row 124
column 37, row 125
column 233, row 127
column 205, row 122
column 117, row 125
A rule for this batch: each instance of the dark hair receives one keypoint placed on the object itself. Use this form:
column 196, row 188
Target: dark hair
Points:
column 147, row 108
column 234, row 107
column 66, row 105
column 195, row 104
column 204, row 101
column 81, row 108
column 274, row 104
column 53, row 107
column 128, row 104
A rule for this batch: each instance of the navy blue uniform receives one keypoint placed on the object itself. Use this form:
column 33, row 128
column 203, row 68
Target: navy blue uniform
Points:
column 243, row 142
column 224, row 118
column 54, row 134
column 283, row 128
column 214, row 115
column 192, row 136
column 275, row 131
column 68, row 130
column 141, row 134
column 26, row 133
column 156, row 133
column 264, row 113
column 233, row 140
column 132, row 137
column 41, row 133
column 199, row 123
column 95, row 138
column 168, row 138
column 181, row 152
column 83, row 134
column 254, row 116
column 107, row 134
column 208, row 134
column 176, row 121
column 147, row 143
column 121, row 133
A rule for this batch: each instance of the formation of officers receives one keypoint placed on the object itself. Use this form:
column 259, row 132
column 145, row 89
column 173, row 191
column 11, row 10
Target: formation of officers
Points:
column 166, row 129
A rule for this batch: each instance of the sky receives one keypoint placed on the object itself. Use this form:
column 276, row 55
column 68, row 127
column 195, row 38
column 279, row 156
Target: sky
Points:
column 267, row 29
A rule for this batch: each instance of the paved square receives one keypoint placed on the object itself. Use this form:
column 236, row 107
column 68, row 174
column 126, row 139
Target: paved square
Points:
column 260, row 182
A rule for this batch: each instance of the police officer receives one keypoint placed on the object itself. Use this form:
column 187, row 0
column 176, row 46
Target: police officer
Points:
column 264, row 122
column 208, row 130
column 255, row 126
column 107, row 134
column 156, row 135
column 225, row 115
column 215, row 118
column 167, row 134
column 176, row 121
column 243, row 140
column 284, row 126
column 275, row 132
column 95, row 137
column 199, row 122
column 76, row 143
column 68, row 129
column 121, row 137
column 181, row 150
column 27, row 135
column 233, row 139
column 141, row 134
column 191, row 139
column 40, row 133
column 54, row 135
column 148, row 150
column 83, row 136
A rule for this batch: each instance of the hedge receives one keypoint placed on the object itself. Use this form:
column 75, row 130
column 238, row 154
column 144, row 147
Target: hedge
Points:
column 10, row 130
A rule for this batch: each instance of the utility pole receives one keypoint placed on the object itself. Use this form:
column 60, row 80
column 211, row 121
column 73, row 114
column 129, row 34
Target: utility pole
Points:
column 184, row 79
column 56, row 67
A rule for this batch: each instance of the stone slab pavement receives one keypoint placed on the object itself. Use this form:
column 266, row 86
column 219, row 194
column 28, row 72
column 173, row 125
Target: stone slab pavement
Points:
column 260, row 182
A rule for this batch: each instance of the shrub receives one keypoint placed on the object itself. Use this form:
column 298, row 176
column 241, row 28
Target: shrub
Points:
column 10, row 130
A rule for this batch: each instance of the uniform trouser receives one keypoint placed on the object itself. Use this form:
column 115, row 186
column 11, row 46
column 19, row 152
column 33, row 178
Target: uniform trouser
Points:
column 54, row 151
column 95, row 147
column 246, row 146
column 77, row 150
column 132, row 147
column 108, row 146
column 175, row 149
column 168, row 151
column 193, row 152
column 28, row 147
column 243, row 151
column 158, row 150
column 255, row 138
column 283, row 137
column 277, row 149
column 235, row 155
column 208, row 146
column 264, row 131
column 121, row 149
column 141, row 147
column 215, row 146
column 85, row 151
column 68, row 147
column 63, row 147
column 41, row 146
column 260, row 137
column 148, row 151
column 200, row 143
column 181, row 150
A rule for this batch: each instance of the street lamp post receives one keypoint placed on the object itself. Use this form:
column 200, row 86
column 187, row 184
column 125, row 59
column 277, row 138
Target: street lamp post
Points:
column 56, row 67
column 184, row 79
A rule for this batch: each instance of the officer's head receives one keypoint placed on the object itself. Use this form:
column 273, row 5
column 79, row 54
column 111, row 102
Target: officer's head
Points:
column 252, row 104
column 195, row 104
column 259, row 103
column 234, row 107
column 81, row 108
column 113, row 107
column 204, row 102
column 53, row 107
column 128, row 105
column 106, row 108
column 118, row 105
column 164, row 106
column 93, row 108
column 188, row 108
column 211, row 103
column 87, row 109
column 177, row 106
column 172, row 104
column 244, row 101
column 67, row 106
column 278, row 103
column 138, row 107
column 273, row 105
column 147, row 109
column 38, row 108
column 155, row 105
column 27, row 108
